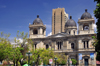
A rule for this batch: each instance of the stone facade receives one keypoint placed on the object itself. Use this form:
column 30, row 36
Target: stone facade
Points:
column 71, row 44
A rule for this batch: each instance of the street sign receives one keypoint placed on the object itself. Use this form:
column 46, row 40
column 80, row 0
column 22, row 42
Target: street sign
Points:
column 50, row 61
column 70, row 62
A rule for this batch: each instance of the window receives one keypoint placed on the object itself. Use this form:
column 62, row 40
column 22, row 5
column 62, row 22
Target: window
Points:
column 35, row 31
column 74, row 32
column 59, row 45
column 47, row 46
column 85, row 43
column 72, row 45
column 35, row 45
column 85, row 27
column 69, row 32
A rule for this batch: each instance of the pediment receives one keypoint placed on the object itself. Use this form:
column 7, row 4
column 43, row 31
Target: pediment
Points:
column 57, row 35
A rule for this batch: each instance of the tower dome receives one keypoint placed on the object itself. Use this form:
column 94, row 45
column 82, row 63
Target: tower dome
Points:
column 86, row 15
column 70, row 22
column 37, row 21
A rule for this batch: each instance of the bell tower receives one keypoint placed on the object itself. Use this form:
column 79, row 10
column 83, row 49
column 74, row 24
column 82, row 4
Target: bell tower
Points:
column 86, row 24
column 37, row 29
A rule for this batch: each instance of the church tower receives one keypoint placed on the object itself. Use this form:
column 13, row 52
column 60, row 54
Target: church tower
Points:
column 37, row 29
column 86, row 24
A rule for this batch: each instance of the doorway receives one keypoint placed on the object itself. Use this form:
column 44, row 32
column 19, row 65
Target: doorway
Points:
column 86, row 62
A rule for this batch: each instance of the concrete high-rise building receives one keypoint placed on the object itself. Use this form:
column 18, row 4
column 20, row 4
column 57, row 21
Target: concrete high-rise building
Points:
column 59, row 18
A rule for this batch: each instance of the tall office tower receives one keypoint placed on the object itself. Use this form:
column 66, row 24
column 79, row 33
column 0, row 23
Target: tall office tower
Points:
column 59, row 18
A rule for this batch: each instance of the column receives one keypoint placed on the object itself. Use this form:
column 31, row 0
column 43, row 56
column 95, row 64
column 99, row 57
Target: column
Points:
column 41, row 31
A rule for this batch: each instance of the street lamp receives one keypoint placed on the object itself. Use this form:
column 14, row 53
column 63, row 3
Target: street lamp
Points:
column 55, row 60
column 28, row 54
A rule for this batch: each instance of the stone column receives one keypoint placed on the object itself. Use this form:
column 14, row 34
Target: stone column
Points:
column 38, row 31
column 45, row 32
column 41, row 31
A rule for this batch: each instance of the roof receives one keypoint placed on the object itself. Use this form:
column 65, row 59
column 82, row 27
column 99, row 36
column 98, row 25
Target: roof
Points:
column 70, row 22
column 37, row 21
column 86, row 15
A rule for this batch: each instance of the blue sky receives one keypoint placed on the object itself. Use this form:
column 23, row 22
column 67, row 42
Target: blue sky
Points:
column 17, row 14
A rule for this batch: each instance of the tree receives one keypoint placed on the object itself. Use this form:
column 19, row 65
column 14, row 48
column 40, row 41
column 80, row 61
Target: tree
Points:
column 46, row 55
column 36, row 56
column 42, row 55
column 22, row 41
column 97, row 15
column 4, row 43
column 62, row 58
column 14, row 54
column 73, row 61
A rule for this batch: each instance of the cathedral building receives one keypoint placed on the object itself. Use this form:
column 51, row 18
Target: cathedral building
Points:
column 75, row 42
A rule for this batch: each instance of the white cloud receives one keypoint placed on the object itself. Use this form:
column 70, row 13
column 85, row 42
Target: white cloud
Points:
column 95, row 27
column 2, row 6
column 20, row 41
column 49, row 34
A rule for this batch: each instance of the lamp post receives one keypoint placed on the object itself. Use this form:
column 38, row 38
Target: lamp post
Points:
column 55, row 60
column 28, row 54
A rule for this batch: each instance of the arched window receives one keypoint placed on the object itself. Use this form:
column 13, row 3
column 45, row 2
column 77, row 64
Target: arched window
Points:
column 47, row 46
column 74, row 32
column 86, row 27
column 35, row 46
column 72, row 45
column 69, row 32
column 35, row 31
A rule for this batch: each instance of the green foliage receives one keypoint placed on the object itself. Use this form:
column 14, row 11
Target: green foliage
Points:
column 63, row 62
column 42, row 55
column 94, row 41
column 73, row 61
column 4, row 45
column 61, row 58
column 46, row 55
column 97, row 15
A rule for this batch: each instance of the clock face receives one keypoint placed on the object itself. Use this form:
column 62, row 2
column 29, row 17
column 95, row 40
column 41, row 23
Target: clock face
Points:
column 86, row 27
